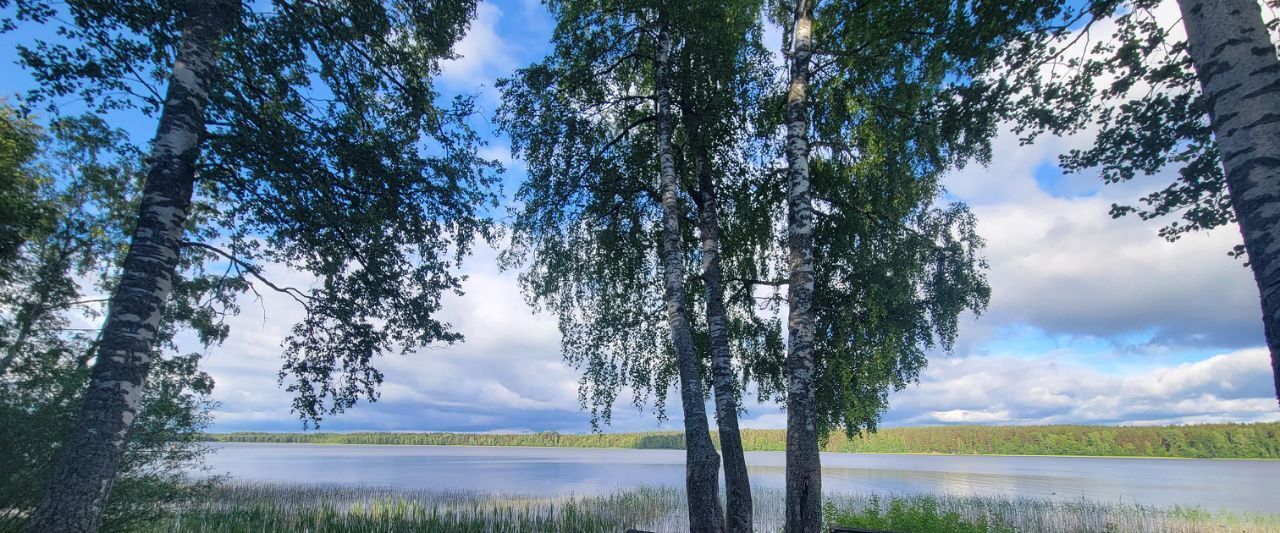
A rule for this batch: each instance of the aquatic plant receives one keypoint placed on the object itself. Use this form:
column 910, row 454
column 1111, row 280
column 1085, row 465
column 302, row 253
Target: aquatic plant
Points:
column 266, row 507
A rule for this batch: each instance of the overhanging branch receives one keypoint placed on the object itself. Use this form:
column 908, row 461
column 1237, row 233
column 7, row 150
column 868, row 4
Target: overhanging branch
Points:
column 255, row 271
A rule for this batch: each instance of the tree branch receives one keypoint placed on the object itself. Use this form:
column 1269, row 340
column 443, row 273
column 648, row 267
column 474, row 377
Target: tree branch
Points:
column 618, row 138
column 255, row 271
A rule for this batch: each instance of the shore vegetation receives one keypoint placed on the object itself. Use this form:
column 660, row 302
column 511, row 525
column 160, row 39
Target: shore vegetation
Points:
column 235, row 507
column 1201, row 441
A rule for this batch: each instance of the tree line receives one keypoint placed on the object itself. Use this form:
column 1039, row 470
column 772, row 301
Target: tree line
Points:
column 705, row 212
column 1201, row 441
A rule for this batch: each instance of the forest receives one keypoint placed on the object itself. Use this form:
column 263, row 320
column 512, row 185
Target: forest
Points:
column 713, row 200
column 1204, row 441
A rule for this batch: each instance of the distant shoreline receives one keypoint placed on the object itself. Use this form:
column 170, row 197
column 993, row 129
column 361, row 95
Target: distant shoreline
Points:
column 1256, row 441
column 925, row 454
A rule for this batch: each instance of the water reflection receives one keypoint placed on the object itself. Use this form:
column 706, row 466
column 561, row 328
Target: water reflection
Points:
column 1213, row 484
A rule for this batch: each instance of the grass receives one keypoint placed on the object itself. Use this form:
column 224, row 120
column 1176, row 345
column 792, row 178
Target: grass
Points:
column 238, row 507
column 262, row 507
column 964, row 514
column 908, row 515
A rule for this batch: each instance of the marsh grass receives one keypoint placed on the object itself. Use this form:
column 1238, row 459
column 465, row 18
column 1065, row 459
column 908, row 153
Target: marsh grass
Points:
column 258, row 507
column 264, row 507
column 918, row 513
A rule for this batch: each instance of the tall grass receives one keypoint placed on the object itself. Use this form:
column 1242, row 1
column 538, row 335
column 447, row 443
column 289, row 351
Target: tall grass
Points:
column 264, row 507
column 260, row 507
column 999, row 514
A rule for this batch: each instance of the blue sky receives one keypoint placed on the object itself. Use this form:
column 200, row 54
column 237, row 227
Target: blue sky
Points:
column 1092, row 320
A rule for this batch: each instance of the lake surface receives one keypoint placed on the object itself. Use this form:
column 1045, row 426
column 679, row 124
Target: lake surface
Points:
column 1239, row 485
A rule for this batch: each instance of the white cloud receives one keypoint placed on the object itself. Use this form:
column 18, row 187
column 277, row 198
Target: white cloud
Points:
column 1230, row 387
column 966, row 416
column 1060, row 266
column 508, row 366
column 483, row 53
column 1063, row 265
column 764, row 421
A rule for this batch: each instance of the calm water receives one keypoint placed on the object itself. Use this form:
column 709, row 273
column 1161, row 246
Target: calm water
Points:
column 1212, row 484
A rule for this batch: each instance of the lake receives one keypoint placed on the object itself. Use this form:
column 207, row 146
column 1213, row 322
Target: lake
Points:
column 1238, row 485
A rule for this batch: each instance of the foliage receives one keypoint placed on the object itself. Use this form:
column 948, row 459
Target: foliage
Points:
column 1008, row 514
column 1217, row 441
column 659, row 440
column 586, row 230
column 326, row 151
column 917, row 516
column 242, row 507
column 265, row 507
column 1138, row 89
column 86, row 192
column 20, row 211
column 895, row 99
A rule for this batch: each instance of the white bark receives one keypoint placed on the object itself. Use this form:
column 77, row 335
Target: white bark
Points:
column 1240, row 76
column 803, row 464
column 76, row 494
column 738, row 504
column 702, row 469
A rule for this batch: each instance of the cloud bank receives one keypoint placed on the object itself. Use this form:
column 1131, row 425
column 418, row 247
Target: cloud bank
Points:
column 1092, row 320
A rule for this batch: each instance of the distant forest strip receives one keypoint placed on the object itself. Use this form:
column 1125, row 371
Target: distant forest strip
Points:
column 1223, row 441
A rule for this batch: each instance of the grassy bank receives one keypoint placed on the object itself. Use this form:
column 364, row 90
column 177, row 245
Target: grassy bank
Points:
column 1227, row 441
column 321, row 509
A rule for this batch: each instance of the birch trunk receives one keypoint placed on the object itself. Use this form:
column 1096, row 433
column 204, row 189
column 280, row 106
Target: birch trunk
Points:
column 804, row 468
column 1240, row 75
column 79, row 488
column 702, row 467
column 736, row 481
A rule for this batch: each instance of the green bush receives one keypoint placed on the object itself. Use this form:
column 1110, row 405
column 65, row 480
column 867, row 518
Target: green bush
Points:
column 914, row 516
column 53, row 270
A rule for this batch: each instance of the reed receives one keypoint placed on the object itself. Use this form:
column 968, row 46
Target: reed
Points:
column 260, row 507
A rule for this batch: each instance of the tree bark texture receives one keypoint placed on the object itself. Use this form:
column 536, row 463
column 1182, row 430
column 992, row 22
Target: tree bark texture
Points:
column 1240, row 76
column 702, row 468
column 91, row 453
column 736, row 481
column 803, row 464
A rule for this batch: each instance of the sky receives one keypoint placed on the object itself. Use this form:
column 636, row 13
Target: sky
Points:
column 1092, row 320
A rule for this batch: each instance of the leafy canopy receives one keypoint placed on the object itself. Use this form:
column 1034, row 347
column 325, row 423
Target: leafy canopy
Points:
column 328, row 150
column 59, row 272
column 899, row 94
column 586, row 232
column 1136, row 86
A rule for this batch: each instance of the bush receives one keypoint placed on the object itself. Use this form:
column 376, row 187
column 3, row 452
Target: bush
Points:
column 915, row 516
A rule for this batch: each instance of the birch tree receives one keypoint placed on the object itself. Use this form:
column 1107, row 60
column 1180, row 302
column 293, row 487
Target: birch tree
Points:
column 882, row 99
column 723, row 74
column 86, row 190
column 313, row 130
column 1196, row 105
column 82, row 481
column 628, row 128
column 702, row 463
column 1235, row 62
column 596, row 208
